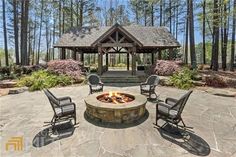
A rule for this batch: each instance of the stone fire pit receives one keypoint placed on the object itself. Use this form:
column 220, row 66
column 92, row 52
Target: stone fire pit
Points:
column 121, row 112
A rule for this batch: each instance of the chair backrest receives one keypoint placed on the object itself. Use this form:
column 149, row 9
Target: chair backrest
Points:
column 52, row 99
column 180, row 104
column 153, row 80
column 94, row 79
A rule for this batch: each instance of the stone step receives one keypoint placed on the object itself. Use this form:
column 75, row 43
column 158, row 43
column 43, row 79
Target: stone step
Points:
column 121, row 80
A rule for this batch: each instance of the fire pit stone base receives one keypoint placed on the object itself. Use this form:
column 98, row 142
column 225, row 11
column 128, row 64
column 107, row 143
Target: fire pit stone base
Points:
column 115, row 113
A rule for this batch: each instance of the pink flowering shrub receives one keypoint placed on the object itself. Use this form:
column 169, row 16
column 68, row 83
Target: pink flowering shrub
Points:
column 165, row 67
column 68, row 67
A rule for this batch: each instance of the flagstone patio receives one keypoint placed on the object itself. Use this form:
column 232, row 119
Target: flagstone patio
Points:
column 213, row 119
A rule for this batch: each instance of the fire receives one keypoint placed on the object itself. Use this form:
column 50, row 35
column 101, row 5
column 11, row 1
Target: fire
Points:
column 115, row 97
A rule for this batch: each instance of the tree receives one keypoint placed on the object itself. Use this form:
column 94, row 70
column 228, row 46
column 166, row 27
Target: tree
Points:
column 233, row 39
column 191, row 35
column 224, row 34
column 215, row 39
column 16, row 30
column 40, row 31
column 204, row 31
column 24, row 34
column 5, row 32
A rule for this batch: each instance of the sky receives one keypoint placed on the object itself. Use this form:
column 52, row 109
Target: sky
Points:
column 102, row 3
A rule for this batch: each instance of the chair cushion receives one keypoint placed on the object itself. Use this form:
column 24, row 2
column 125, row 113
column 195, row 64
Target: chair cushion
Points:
column 145, row 87
column 64, row 110
column 164, row 111
column 96, row 87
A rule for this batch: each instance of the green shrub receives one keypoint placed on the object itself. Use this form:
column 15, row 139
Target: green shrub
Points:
column 44, row 79
column 184, row 78
column 120, row 65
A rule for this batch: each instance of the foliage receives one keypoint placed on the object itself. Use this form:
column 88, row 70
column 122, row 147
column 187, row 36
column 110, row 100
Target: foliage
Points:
column 15, row 71
column 44, row 79
column 68, row 67
column 121, row 65
column 184, row 78
column 93, row 70
column 216, row 81
column 165, row 67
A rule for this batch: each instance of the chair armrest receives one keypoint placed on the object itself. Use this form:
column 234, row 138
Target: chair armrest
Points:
column 164, row 105
column 152, row 87
column 143, row 83
column 170, row 101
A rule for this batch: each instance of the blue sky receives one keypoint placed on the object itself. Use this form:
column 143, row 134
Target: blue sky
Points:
column 101, row 3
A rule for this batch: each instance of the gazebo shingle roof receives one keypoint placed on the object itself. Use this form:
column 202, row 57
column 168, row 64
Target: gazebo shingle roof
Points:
column 148, row 36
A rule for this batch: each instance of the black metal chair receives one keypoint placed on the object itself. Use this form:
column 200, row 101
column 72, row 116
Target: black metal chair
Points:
column 95, row 83
column 171, row 110
column 149, row 86
column 64, row 109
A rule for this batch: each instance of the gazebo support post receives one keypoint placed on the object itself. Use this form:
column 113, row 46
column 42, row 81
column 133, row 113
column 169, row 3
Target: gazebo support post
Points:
column 107, row 61
column 134, row 60
column 159, row 54
column 99, row 60
column 128, row 61
column 74, row 54
column 153, row 58
column 82, row 57
column 63, row 53
column 171, row 54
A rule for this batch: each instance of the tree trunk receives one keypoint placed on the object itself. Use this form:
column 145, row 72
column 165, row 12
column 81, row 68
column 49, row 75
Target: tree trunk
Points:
column 34, row 38
column 233, row 39
column 47, row 42
column 186, row 36
column 170, row 14
column 40, row 31
column 224, row 37
column 152, row 14
column 71, row 13
column 177, row 21
column 16, row 31
column 191, row 36
column 215, row 44
column 160, row 12
column 63, row 16
column 204, row 31
column 59, row 19
column 81, row 13
column 53, row 35
column 77, row 13
column 24, row 28
column 5, row 32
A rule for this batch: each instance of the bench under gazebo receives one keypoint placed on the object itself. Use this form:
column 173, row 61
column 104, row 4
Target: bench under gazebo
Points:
column 131, row 40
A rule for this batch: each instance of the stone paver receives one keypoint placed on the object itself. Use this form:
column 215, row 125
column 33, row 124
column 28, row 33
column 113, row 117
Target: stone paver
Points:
column 213, row 119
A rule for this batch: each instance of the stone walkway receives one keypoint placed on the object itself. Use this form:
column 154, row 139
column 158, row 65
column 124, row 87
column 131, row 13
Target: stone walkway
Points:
column 213, row 119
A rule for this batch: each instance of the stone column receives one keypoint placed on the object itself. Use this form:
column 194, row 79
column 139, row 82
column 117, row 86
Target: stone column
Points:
column 134, row 60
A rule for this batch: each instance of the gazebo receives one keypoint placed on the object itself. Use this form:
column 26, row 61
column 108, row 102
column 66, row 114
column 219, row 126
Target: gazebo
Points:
column 131, row 39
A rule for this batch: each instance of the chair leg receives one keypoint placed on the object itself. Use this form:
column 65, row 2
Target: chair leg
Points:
column 75, row 119
column 156, row 115
column 183, row 123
